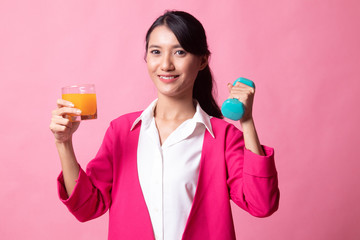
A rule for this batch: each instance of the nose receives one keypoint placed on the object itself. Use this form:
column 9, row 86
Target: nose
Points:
column 167, row 63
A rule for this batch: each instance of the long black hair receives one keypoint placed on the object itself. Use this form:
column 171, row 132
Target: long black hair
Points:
column 191, row 35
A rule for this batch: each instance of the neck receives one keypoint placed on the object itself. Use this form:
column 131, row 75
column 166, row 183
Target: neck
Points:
column 174, row 108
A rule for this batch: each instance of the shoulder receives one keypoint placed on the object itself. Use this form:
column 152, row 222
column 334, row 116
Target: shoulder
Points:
column 128, row 117
column 219, row 123
column 222, row 125
column 223, row 129
column 125, row 121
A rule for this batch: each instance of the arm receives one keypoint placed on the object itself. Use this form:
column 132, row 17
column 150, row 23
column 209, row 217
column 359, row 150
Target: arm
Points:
column 69, row 165
column 87, row 195
column 252, row 142
column 245, row 94
column 63, row 130
column 252, row 179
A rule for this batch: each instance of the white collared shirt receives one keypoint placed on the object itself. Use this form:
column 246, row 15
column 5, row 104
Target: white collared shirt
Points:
column 168, row 173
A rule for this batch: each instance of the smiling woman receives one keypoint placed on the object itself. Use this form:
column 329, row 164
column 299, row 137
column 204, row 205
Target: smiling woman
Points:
column 191, row 38
column 172, row 69
column 169, row 172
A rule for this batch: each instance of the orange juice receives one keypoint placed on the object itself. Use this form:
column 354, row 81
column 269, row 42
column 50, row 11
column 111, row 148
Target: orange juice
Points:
column 86, row 102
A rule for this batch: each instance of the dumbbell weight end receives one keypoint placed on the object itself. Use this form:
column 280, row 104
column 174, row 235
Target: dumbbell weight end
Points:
column 232, row 108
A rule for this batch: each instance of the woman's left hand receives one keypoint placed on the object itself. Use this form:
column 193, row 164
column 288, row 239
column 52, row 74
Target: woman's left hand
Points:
column 244, row 94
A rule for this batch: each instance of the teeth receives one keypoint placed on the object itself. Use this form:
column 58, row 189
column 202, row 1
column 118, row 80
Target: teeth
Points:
column 163, row 77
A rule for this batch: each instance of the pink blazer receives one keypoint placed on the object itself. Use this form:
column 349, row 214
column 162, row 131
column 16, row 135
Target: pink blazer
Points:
column 227, row 171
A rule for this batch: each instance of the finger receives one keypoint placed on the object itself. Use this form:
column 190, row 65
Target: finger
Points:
column 67, row 128
column 241, row 95
column 230, row 86
column 64, row 103
column 56, row 128
column 243, row 90
column 240, row 85
column 65, row 111
column 58, row 120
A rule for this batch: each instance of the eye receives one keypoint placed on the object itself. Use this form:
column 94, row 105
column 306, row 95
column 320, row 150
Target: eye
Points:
column 180, row 52
column 155, row 52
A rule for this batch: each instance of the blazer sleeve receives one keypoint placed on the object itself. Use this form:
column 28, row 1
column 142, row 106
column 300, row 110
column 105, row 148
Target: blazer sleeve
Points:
column 252, row 179
column 91, row 196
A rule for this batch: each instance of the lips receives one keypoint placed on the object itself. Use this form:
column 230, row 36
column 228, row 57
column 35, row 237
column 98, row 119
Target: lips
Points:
column 168, row 78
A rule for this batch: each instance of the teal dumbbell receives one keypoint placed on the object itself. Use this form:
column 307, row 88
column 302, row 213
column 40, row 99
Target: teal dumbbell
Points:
column 232, row 108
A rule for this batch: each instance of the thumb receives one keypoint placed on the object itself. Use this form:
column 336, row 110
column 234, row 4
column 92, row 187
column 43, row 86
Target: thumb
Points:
column 229, row 86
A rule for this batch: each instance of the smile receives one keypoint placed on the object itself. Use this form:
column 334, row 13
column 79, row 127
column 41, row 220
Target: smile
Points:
column 168, row 78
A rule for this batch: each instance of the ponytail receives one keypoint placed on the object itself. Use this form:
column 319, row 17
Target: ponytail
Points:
column 203, row 93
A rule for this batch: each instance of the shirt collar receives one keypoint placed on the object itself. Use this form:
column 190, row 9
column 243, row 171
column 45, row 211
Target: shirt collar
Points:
column 146, row 116
column 200, row 116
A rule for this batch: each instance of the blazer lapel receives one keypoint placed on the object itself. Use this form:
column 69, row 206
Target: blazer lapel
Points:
column 204, row 179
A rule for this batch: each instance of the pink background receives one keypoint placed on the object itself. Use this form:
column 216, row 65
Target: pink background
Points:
column 303, row 55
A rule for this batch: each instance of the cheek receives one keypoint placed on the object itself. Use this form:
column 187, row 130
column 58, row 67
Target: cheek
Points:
column 192, row 70
column 152, row 70
column 151, row 66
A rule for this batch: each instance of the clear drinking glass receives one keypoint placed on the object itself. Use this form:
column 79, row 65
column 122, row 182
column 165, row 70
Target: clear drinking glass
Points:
column 83, row 96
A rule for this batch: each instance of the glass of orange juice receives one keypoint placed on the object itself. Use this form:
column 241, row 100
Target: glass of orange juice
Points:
column 83, row 97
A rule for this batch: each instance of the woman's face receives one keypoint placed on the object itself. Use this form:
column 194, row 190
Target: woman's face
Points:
column 172, row 69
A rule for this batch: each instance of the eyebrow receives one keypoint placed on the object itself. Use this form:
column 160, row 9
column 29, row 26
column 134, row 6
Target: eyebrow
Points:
column 157, row 46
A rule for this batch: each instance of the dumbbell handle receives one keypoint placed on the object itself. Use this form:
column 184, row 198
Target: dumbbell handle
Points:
column 232, row 108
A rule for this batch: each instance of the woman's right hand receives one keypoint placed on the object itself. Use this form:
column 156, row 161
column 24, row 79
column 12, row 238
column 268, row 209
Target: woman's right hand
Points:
column 60, row 125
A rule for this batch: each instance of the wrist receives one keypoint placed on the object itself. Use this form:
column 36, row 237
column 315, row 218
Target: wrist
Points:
column 64, row 144
column 251, row 139
column 245, row 122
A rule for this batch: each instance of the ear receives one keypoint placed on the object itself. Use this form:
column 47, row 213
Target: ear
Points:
column 204, row 60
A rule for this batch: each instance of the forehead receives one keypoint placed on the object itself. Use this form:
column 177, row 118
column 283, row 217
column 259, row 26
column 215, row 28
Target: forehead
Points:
column 162, row 36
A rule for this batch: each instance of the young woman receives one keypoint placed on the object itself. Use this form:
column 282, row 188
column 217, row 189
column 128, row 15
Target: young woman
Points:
column 169, row 172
